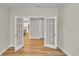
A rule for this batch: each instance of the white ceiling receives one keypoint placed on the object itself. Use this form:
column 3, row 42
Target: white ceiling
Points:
column 30, row 5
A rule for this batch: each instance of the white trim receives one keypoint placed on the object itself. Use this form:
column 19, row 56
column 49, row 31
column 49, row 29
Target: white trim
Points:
column 34, row 16
column 50, row 46
column 4, row 50
column 15, row 32
column 44, row 31
column 34, row 38
column 55, row 31
column 29, row 29
column 64, row 51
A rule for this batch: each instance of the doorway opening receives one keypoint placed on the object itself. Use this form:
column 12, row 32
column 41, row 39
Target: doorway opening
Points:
column 34, row 33
column 36, row 28
column 26, row 22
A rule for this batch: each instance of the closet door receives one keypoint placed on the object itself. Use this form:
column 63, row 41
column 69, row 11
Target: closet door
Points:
column 50, row 34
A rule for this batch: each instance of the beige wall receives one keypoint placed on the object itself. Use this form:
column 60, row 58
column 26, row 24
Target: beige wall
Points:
column 4, row 29
column 70, row 17
column 28, row 12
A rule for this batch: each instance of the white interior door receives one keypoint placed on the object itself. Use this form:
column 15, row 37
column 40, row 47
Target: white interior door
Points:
column 50, row 32
column 18, row 33
column 34, row 28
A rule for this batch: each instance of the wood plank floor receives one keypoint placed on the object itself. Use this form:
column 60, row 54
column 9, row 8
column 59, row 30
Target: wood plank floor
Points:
column 33, row 47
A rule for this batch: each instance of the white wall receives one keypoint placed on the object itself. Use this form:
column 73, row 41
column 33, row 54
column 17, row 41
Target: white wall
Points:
column 70, row 17
column 4, row 29
column 60, row 27
column 28, row 12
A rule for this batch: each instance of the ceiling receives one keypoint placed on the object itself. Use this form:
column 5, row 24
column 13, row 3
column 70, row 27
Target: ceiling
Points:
column 31, row 5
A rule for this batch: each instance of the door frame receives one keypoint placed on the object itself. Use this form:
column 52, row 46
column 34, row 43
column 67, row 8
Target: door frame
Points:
column 16, row 33
column 44, row 26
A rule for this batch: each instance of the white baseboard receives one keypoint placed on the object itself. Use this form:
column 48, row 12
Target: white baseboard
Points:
column 50, row 46
column 4, row 50
column 34, row 38
column 64, row 51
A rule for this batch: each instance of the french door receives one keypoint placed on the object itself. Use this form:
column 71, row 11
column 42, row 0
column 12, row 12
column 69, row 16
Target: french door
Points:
column 50, row 32
column 18, row 33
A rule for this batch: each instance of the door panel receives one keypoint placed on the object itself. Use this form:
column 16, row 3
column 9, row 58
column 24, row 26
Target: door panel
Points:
column 50, row 32
column 18, row 33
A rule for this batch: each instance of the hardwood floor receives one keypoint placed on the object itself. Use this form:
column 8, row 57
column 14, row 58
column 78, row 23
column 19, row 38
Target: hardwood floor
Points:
column 33, row 47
